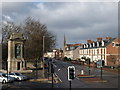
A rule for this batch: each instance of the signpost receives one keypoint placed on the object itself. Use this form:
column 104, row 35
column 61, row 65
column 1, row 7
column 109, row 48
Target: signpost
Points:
column 71, row 74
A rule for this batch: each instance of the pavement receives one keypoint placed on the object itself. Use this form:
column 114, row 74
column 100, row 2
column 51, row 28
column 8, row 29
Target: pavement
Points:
column 36, row 80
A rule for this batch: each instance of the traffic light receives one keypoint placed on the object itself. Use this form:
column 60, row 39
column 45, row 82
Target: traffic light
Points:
column 71, row 73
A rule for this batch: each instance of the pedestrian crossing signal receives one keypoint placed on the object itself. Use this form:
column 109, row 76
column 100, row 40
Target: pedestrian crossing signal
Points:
column 71, row 73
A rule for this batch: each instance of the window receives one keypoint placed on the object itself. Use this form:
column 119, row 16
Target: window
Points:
column 4, row 75
column 93, row 44
column 117, row 44
column 103, row 43
column 113, row 44
column 97, row 44
column 11, row 73
column 18, row 74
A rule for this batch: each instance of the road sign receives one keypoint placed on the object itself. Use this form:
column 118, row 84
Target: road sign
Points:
column 71, row 73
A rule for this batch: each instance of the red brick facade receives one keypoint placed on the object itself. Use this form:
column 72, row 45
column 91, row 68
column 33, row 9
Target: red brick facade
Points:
column 113, row 53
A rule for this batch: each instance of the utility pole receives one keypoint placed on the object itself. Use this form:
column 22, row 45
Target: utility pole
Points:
column 43, row 56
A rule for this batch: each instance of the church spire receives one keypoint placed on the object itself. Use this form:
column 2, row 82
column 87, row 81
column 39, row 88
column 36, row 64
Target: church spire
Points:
column 64, row 40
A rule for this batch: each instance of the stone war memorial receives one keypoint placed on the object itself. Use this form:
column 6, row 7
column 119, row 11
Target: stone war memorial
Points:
column 16, row 62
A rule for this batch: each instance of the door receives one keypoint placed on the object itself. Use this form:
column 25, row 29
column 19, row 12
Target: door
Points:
column 18, row 66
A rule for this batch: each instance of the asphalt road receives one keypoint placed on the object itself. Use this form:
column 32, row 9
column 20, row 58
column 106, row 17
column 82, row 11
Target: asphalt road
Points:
column 61, row 71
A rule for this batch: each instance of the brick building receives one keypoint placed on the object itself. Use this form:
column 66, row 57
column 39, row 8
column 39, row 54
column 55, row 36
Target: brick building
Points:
column 106, row 50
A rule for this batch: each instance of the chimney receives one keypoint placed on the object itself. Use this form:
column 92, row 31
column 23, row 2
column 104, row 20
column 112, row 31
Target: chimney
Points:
column 108, row 38
column 89, row 41
column 99, row 39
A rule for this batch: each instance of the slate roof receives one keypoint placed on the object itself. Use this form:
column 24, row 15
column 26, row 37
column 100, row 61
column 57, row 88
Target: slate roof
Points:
column 106, row 43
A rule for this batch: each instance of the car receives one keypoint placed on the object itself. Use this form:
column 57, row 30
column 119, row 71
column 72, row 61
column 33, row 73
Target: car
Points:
column 18, row 76
column 4, row 78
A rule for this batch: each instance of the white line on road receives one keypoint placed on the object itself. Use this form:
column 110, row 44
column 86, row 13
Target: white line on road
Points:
column 54, row 65
column 58, row 77
column 77, row 78
column 58, row 69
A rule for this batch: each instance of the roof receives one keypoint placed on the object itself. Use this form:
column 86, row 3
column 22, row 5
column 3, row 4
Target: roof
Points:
column 106, row 43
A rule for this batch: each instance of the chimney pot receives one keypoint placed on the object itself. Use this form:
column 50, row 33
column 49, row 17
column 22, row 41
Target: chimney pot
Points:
column 99, row 39
column 108, row 38
column 89, row 41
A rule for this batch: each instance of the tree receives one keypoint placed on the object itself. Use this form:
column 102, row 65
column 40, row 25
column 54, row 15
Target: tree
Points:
column 7, row 30
column 33, row 30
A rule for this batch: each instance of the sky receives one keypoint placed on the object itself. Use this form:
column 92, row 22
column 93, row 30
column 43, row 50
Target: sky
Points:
column 78, row 21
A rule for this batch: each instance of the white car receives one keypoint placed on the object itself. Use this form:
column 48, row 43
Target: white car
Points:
column 17, row 76
column 5, row 79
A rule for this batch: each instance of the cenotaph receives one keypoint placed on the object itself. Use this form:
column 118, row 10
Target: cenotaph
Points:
column 15, row 52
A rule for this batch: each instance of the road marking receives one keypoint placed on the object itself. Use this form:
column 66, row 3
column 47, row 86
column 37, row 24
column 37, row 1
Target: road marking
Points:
column 58, row 77
column 77, row 78
column 58, row 69
column 54, row 65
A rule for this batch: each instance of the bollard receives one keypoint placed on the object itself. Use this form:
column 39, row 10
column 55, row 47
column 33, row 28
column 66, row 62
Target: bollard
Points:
column 82, row 72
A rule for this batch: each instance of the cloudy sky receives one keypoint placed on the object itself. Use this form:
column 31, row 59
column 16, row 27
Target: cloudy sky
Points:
column 79, row 21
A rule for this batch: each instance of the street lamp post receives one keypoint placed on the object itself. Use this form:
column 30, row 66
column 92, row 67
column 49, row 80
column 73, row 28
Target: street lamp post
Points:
column 43, row 56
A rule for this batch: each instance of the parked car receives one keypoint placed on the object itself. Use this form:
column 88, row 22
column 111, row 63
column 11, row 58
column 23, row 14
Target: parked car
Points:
column 4, row 78
column 18, row 76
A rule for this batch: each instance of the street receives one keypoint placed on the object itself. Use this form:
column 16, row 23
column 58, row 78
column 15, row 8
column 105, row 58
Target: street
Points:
column 61, row 71
column 61, row 75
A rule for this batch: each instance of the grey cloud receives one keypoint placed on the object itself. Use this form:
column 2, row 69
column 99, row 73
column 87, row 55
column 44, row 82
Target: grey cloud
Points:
column 79, row 21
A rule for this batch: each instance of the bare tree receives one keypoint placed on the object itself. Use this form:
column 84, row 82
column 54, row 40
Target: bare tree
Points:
column 8, row 29
column 33, row 30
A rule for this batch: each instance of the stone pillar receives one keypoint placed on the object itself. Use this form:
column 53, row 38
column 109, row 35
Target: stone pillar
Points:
column 9, row 55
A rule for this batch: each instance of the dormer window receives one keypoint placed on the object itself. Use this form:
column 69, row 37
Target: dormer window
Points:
column 103, row 43
column 93, row 44
column 117, row 44
column 90, row 44
column 97, row 44
column 87, row 45
column 113, row 44
column 84, row 46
